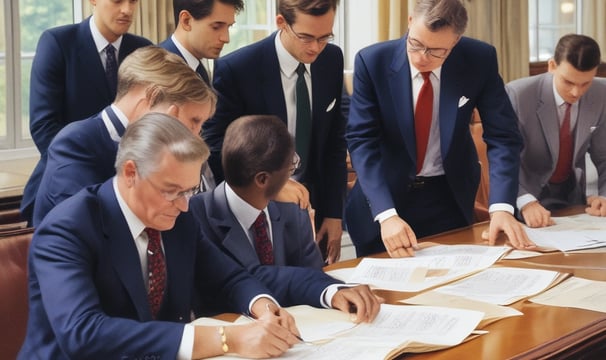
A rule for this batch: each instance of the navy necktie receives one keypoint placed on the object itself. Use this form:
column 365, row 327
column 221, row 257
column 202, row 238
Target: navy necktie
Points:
column 111, row 68
column 203, row 74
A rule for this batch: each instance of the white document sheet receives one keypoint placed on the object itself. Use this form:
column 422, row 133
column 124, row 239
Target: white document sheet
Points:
column 571, row 233
column 576, row 292
column 429, row 267
column 502, row 285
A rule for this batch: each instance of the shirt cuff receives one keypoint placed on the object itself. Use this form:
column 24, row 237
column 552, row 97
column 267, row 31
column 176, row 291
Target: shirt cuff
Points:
column 250, row 304
column 329, row 293
column 186, row 348
column 500, row 207
column 524, row 200
column 382, row 216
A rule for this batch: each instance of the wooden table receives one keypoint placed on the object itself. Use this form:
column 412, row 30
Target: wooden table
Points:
column 543, row 331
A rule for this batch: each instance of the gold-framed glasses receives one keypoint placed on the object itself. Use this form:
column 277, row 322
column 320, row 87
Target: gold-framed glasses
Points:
column 415, row 45
column 308, row 39
column 175, row 195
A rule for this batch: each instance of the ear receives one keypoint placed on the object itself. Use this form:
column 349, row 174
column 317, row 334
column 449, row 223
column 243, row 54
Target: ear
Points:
column 551, row 65
column 281, row 22
column 261, row 179
column 409, row 22
column 128, row 172
column 173, row 110
column 185, row 20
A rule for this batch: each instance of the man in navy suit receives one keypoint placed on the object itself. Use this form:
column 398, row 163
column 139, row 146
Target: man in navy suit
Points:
column 418, row 170
column 255, row 170
column 119, row 298
column 553, row 176
column 83, row 153
column 69, row 80
column 202, row 29
column 262, row 79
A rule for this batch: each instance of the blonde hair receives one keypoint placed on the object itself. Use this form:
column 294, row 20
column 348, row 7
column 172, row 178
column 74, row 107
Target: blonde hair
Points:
column 166, row 76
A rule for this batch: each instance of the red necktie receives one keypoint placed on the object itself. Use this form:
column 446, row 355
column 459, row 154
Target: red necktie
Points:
column 156, row 269
column 564, row 165
column 423, row 115
column 262, row 243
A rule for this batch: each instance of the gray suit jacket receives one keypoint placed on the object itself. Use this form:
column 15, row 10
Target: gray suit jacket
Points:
column 292, row 236
column 533, row 101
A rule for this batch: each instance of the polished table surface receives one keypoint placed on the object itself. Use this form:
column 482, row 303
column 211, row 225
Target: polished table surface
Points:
column 543, row 331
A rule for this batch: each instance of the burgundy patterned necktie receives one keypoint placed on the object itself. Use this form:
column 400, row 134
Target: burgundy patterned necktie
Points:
column 262, row 243
column 156, row 270
column 564, row 164
column 423, row 115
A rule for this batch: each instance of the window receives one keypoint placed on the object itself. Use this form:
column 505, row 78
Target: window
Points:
column 22, row 22
column 548, row 21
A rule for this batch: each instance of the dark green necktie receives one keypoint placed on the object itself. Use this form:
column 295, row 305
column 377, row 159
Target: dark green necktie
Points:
column 303, row 135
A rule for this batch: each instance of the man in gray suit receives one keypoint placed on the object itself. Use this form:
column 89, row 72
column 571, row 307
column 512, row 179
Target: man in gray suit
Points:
column 562, row 116
column 258, row 157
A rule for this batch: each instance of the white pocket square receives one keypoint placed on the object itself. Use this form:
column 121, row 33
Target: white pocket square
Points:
column 331, row 105
column 463, row 100
column 592, row 129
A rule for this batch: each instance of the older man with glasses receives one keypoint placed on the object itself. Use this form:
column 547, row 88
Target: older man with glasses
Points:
column 409, row 139
column 297, row 75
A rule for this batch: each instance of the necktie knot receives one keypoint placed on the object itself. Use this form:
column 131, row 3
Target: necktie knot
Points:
column 201, row 70
column 300, row 69
column 425, row 75
column 263, row 245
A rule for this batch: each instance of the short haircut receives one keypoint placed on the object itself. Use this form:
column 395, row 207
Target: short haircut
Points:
column 289, row 8
column 199, row 9
column 439, row 14
column 148, row 139
column 580, row 51
column 253, row 144
column 166, row 75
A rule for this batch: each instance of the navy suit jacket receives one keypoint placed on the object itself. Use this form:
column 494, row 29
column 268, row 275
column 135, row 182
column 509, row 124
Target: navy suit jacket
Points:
column 248, row 82
column 381, row 137
column 293, row 240
column 82, row 154
column 67, row 83
column 87, row 296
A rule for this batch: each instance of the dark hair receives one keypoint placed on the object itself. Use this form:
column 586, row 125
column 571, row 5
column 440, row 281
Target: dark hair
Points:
column 289, row 8
column 200, row 9
column 253, row 144
column 580, row 51
column 438, row 14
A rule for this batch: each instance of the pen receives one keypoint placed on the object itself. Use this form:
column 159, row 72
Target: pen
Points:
column 295, row 335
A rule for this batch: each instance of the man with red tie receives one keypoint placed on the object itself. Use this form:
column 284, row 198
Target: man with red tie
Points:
column 409, row 140
column 562, row 117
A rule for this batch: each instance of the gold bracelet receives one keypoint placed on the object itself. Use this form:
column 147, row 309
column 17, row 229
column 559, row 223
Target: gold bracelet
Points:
column 224, row 346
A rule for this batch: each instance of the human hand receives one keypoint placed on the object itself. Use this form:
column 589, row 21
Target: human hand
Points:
column 504, row 221
column 535, row 215
column 294, row 192
column 597, row 206
column 333, row 230
column 359, row 301
column 398, row 237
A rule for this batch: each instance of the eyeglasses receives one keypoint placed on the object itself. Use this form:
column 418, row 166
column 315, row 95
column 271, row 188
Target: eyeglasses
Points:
column 296, row 164
column 308, row 39
column 175, row 195
column 415, row 45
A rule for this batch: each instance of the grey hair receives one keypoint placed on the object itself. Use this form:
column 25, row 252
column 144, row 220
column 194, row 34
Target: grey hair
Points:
column 149, row 138
column 439, row 14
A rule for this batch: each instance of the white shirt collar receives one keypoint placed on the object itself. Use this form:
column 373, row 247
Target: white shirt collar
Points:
column 414, row 72
column 100, row 41
column 135, row 225
column 558, row 99
column 245, row 213
column 191, row 60
column 288, row 63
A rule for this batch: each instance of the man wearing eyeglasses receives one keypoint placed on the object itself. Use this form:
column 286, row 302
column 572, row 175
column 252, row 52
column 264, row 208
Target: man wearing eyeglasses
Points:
column 255, row 171
column 409, row 139
column 297, row 75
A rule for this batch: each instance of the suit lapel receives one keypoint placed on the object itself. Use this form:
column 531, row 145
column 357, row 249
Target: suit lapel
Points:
column 124, row 252
column 89, row 62
column 548, row 116
column 270, row 79
column 586, row 118
column 277, row 230
column 226, row 227
column 450, row 91
column 400, row 85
